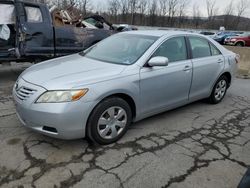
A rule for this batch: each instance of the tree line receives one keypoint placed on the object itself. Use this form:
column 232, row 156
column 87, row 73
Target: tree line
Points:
column 165, row 13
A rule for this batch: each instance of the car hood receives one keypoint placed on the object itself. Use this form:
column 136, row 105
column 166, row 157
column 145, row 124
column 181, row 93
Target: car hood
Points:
column 70, row 72
column 238, row 37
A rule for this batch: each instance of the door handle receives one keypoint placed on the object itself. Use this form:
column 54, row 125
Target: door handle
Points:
column 220, row 61
column 187, row 68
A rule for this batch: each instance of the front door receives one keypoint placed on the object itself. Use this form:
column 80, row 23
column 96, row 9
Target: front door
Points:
column 36, row 30
column 167, row 87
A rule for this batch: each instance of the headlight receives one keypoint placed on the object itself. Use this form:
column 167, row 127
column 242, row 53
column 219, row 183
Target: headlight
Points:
column 233, row 40
column 61, row 96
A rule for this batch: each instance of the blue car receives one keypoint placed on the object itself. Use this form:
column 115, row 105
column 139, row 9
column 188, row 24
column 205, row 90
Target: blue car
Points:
column 221, row 36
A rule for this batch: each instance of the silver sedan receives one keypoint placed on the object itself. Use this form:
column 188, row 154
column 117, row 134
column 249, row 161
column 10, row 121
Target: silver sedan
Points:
column 127, row 77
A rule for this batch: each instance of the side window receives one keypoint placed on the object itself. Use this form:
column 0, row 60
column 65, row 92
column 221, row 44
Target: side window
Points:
column 34, row 14
column 174, row 49
column 200, row 47
column 214, row 50
column 7, row 14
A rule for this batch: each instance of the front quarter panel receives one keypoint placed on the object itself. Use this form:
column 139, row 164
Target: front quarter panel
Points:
column 126, row 83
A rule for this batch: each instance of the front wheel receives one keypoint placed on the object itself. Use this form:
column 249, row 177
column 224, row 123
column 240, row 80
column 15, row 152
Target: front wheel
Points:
column 109, row 121
column 219, row 90
column 240, row 44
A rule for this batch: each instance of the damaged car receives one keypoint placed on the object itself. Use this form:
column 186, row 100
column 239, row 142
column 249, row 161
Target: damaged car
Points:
column 31, row 32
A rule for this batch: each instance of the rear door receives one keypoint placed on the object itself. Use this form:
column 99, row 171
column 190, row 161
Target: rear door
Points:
column 208, row 63
column 36, row 30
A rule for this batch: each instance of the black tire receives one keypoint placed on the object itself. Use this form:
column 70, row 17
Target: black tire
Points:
column 240, row 44
column 213, row 99
column 92, row 125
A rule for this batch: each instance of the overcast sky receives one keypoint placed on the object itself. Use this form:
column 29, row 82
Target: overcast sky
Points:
column 221, row 4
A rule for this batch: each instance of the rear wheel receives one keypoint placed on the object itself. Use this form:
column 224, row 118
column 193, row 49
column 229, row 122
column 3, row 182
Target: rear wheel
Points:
column 109, row 121
column 219, row 90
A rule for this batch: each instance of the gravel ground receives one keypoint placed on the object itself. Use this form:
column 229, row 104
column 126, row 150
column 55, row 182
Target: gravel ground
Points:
column 199, row 145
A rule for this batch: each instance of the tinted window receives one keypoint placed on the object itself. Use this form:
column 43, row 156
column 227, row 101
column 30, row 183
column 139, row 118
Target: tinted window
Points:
column 214, row 50
column 174, row 49
column 200, row 47
column 33, row 14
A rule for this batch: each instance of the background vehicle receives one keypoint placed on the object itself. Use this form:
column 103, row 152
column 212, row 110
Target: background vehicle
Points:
column 221, row 36
column 35, row 36
column 124, row 78
column 242, row 40
column 125, row 27
column 208, row 33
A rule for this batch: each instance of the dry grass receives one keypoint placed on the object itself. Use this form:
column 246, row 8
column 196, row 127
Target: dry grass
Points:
column 244, row 65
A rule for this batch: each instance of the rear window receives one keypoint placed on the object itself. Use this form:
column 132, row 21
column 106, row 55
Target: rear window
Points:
column 200, row 47
column 7, row 14
column 33, row 14
column 214, row 50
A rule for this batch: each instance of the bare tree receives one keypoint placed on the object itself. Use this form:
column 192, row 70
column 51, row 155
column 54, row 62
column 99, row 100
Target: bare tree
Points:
column 85, row 6
column 163, row 7
column 152, row 9
column 228, row 13
column 196, row 15
column 133, row 5
column 142, row 9
column 113, row 7
column 182, row 9
column 211, row 9
column 241, row 8
column 163, row 10
column 229, row 8
column 124, row 8
column 211, row 12
column 172, row 9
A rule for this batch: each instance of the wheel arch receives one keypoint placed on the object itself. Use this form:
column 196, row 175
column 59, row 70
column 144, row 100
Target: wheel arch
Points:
column 126, row 97
column 229, row 77
column 240, row 41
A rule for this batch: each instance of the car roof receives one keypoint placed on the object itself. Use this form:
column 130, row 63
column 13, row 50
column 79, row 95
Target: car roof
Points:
column 160, row 33
column 24, row 1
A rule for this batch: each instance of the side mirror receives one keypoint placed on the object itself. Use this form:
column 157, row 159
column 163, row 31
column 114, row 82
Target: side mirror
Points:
column 158, row 61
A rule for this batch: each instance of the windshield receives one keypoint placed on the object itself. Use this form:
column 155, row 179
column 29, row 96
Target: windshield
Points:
column 123, row 49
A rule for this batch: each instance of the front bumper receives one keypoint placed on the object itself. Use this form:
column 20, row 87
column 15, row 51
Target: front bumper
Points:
column 230, row 43
column 59, row 120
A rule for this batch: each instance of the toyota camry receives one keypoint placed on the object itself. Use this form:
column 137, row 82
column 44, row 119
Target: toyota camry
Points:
column 125, row 78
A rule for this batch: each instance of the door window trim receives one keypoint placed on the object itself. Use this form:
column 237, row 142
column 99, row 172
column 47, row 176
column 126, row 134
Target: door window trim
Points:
column 32, row 6
column 212, row 45
column 175, row 36
column 209, row 44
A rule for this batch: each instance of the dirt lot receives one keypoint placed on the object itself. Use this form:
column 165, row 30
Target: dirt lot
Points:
column 199, row 145
column 244, row 65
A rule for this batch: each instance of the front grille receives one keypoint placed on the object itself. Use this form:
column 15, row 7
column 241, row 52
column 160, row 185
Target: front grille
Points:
column 23, row 93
